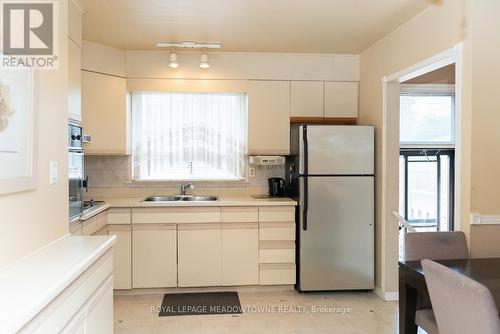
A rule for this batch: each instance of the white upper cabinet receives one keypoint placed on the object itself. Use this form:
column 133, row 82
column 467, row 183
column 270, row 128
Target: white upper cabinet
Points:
column 75, row 11
column 105, row 115
column 268, row 117
column 306, row 99
column 74, row 61
column 341, row 99
column 103, row 59
column 74, row 81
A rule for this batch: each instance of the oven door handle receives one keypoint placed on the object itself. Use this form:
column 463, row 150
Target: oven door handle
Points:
column 85, row 183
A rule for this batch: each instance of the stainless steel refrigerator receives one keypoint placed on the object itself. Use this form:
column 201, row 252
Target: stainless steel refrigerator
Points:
column 332, row 177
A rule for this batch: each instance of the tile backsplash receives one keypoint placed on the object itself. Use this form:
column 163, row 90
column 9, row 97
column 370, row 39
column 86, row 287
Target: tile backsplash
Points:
column 113, row 172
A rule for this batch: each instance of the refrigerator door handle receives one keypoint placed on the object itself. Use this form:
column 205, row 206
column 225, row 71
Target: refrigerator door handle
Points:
column 305, row 190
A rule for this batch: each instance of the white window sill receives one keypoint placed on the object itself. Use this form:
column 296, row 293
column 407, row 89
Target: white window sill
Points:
column 178, row 181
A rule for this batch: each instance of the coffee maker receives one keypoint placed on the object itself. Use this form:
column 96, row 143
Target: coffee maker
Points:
column 276, row 187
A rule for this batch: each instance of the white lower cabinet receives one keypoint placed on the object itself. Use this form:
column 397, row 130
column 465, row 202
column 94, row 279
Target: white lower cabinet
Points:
column 162, row 247
column 122, row 256
column 154, row 259
column 240, row 254
column 99, row 318
column 200, row 255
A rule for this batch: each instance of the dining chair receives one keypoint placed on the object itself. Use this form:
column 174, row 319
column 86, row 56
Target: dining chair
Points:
column 435, row 246
column 461, row 305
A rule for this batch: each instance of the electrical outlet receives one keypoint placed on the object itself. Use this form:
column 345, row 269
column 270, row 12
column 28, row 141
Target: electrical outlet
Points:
column 251, row 171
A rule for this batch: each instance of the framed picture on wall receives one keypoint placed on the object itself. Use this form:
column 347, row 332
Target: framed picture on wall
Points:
column 18, row 151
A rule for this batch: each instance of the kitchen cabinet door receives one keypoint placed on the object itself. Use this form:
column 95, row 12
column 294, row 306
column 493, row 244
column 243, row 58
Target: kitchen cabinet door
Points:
column 99, row 311
column 200, row 258
column 154, row 259
column 341, row 99
column 122, row 253
column 268, row 117
column 74, row 82
column 240, row 254
column 105, row 115
column 306, row 99
column 75, row 22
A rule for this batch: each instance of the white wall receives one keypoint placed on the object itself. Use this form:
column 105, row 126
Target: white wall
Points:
column 31, row 219
column 436, row 29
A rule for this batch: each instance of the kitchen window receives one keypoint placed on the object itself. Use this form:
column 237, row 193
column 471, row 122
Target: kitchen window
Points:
column 188, row 136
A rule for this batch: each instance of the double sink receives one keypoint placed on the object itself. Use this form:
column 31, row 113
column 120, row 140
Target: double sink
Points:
column 178, row 198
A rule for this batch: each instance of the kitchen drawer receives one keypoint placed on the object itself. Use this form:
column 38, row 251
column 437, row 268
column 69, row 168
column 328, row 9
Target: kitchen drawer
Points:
column 176, row 215
column 118, row 216
column 239, row 214
column 277, row 231
column 277, row 274
column 277, row 252
column 277, row 214
column 95, row 223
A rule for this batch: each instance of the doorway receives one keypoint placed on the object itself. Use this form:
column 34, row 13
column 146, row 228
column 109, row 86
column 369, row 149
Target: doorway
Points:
column 429, row 194
column 427, row 128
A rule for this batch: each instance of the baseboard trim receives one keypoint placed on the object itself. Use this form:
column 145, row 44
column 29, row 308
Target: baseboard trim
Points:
column 249, row 288
column 388, row 296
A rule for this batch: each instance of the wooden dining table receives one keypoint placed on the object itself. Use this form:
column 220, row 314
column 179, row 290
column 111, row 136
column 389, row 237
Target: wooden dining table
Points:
column 412, row 284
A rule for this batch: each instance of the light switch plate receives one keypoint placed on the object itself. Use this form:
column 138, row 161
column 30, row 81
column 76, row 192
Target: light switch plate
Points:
column 53, row 172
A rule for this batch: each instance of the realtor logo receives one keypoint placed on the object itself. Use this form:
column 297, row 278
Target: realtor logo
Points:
column 29, row 34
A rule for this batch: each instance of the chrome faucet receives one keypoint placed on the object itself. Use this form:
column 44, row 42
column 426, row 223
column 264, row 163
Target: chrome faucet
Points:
column 185, row 188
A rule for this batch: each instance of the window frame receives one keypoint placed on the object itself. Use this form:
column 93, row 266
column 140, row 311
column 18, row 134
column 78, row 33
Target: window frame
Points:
column 432, row 90
column 408, row 152
column 244, row 177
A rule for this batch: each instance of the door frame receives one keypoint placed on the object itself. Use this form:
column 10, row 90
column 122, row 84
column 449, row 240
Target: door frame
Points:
column 390, row 154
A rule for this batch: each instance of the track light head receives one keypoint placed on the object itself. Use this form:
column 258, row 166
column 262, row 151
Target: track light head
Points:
column 173, row 60
column 204, row 60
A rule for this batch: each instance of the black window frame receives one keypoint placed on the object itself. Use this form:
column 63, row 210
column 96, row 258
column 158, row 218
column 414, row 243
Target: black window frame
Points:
column 437, row 152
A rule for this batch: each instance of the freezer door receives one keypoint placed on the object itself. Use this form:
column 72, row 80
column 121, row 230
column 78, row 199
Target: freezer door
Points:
column 336, row 251
column 339, row 150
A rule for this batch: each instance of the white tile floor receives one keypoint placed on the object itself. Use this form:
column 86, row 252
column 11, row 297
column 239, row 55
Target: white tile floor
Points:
column 364, row 313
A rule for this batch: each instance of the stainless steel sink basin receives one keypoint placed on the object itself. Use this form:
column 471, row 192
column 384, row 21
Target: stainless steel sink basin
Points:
column 200, row 198
column 181, row 198
column 162, row 199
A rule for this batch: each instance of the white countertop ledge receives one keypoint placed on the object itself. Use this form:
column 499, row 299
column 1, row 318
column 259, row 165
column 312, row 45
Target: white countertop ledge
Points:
column 137, row 202
column 30, row 284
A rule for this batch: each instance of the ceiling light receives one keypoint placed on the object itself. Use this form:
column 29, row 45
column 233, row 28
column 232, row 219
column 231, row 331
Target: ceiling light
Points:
column 204, row 60
column 188, row 45
column 173, row 60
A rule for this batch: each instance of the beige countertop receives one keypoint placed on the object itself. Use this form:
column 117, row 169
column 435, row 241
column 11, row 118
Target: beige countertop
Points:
column 32, row 283
column 128, row 202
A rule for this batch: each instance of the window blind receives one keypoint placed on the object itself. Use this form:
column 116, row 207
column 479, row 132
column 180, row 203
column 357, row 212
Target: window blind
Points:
column 188, row 136
column 427, row 118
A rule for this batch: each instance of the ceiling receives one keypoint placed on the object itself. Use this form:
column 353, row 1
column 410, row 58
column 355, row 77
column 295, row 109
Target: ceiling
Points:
column 443, row 75
column 302, row 26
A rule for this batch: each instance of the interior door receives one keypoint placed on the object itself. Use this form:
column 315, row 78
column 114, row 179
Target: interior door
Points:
column 337, row 248
column 339, row 150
